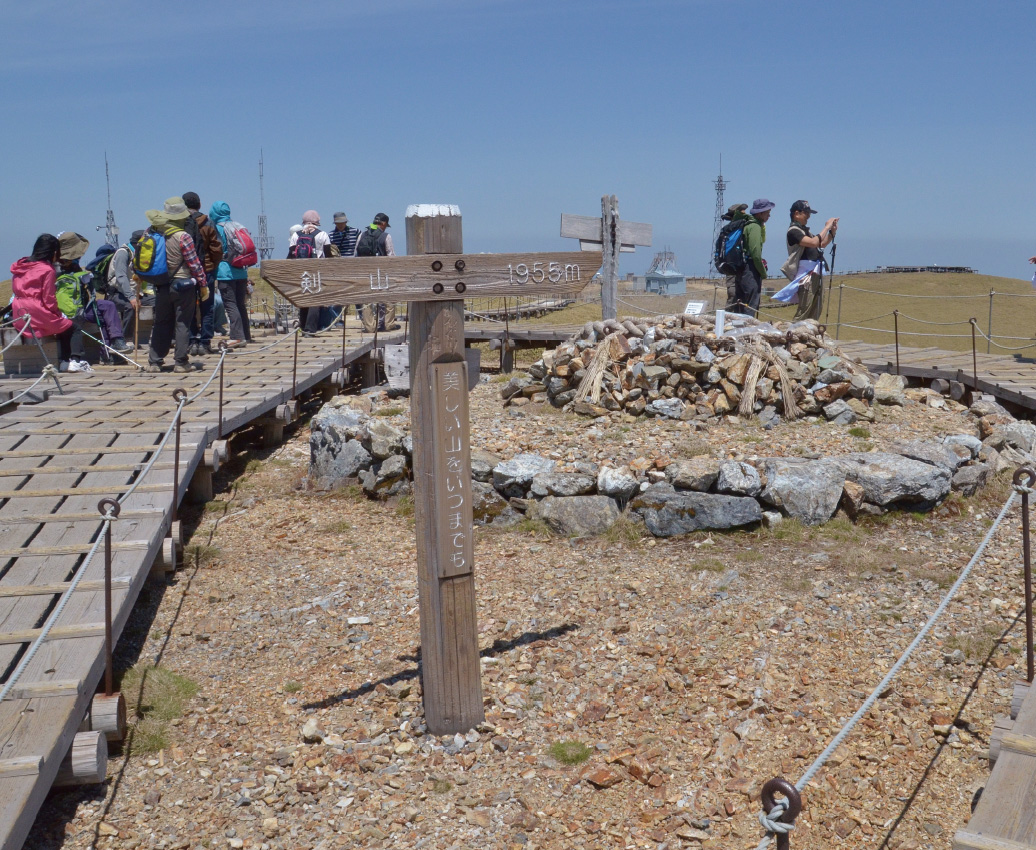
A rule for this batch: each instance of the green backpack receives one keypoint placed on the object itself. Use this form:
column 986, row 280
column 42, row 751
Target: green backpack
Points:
column 70, row 291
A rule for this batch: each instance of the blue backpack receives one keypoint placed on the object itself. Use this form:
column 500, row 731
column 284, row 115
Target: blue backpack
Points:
column 729, row 254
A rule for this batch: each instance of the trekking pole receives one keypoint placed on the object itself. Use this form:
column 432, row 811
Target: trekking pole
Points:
column 830, row 280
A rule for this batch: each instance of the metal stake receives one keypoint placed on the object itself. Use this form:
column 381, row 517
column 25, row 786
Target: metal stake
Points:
column 794, row 806
column 222, row 360
column 507, row 335
column 178, row 395
column 838, row 320
column 989, row 339
column 104, row 506
column 974, row 354
column 295, row 363
column 343, row 337
column 895, row 318
column 1027, row 472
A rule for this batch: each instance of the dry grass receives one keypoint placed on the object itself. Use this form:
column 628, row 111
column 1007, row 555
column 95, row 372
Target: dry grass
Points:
column 155, row 696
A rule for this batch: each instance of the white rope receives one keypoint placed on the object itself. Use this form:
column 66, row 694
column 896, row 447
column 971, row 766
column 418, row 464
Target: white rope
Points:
column 205, row 386
column 903, row 295
column 48, row 372
column 836, row 742
column 18, row 336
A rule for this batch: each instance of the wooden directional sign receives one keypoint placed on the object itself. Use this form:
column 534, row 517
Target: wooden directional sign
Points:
column 428, row 277
column 587, row 230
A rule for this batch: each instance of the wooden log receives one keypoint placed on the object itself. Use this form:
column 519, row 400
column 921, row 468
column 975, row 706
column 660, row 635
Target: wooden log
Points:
column 108, row 716
column 165, row 560
column 86, row 762
column 1014, row 742
column 176, row 532
column 20, row 766
column 273, row 432
column 53, row 688
column 222, row 450
column 57, row 633
column 1021, row 690
column 200, row 490
column 965, row 840
column 1001, row 725
column 210, row 459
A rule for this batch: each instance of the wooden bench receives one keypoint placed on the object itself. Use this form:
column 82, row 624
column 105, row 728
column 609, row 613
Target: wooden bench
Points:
column 24, row 358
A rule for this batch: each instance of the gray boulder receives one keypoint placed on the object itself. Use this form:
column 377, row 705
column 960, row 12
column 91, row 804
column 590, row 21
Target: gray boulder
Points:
column 890, row 478
column 668, row 513
column 561, row 484
column 1017, row 435
column 987, row 407
column 332, row 460
column 696, row 473
column 972, row 444
column 738, row 479
column 514, row 477
column 888, row 389
column 515, row 386
column 341, row 421
column 617, row 483
column 808, row 490
column 387, row 479
column 577, row 516
column 486, row 503
column 968, row 479
column 937, row 454
column 385, row 440
column 669, row 408
column 482, row 464
column 839, row 412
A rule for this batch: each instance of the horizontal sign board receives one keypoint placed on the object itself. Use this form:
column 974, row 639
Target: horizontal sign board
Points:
column 587, row 230
column 428, row 277
column 694, row 308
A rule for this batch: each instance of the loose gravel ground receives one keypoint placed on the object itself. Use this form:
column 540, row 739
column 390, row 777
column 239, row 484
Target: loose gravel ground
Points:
column 691, row 669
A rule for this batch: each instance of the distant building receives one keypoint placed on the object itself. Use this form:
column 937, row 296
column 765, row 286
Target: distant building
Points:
column 663, row 278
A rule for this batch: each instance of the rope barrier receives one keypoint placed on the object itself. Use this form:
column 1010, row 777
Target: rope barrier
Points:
column 902, row 295
column 48, row 372
column 18, row 337
column 1004, row 347
column 212, row 377
column 836, row 742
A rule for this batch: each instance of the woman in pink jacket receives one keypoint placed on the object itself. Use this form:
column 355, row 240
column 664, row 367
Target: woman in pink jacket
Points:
column 32, row 281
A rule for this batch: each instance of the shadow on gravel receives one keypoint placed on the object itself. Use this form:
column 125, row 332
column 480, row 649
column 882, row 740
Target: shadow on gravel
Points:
column 959, row 722
column 499, row 647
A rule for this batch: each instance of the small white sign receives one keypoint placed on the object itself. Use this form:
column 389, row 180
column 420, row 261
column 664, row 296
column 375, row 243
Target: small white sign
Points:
column 694, row 308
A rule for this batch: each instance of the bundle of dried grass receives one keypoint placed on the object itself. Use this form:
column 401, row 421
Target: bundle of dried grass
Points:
column 755, row 370
column 762, row 348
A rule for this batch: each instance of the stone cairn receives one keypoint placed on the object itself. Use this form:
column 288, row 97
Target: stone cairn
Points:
column 676, row 367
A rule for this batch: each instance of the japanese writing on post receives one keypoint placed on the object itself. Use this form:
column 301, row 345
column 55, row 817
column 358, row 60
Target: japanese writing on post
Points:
column 310, row 283
column 452, row 452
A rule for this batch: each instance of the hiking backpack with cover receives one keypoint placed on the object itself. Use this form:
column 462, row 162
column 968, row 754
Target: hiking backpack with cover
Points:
column 729, row 255
column 69, row 292
column 240, row 252
column 150, row 262
column 190, row 226
column 371, row 243
column 102, row 271
column 306, row 245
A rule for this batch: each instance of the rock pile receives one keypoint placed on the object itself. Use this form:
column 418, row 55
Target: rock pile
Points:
column 673, row 496
column 676, row 367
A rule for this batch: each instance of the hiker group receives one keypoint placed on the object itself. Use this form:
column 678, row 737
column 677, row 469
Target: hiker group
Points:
column 738, row 254
column 176, row 266
column 308, row 241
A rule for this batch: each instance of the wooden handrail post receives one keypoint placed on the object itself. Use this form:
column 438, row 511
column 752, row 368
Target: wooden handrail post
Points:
column 895, row 319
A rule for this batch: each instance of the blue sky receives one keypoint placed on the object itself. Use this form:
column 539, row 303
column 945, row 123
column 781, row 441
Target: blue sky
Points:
column 913, row 121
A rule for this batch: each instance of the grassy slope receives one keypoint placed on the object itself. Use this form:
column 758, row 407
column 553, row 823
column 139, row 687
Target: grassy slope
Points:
column 1012, row 317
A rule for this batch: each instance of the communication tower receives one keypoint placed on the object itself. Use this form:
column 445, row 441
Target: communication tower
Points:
column 717, row 221
column 111, row 231
column 665, row 261
column 265, row 241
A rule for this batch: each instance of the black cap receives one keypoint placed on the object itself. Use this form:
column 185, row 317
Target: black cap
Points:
column 135, row 237
column 381, row 218
column 802, row 206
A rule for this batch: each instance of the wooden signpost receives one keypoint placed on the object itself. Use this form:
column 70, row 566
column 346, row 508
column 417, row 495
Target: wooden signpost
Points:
column 611, row 237
column 436, row 277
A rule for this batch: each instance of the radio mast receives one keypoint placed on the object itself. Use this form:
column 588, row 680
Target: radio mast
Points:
column 717, row 221
column 265, row 241
column 111, row 231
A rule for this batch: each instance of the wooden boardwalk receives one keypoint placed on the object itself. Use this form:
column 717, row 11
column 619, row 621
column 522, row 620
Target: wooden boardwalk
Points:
column 58, row 458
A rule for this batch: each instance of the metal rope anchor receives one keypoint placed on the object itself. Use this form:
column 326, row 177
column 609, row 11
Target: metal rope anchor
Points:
column 778, row 816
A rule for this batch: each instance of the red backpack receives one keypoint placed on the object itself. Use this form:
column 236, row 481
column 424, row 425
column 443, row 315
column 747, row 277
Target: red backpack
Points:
column 240, row 251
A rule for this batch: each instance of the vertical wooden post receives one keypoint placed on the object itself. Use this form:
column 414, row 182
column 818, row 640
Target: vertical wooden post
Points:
column 610, row 256
column 450, row 667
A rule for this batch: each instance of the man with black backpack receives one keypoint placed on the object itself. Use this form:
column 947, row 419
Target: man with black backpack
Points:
column 210, row 251
column 734, row 212
column 749, row 283
column 376, row 241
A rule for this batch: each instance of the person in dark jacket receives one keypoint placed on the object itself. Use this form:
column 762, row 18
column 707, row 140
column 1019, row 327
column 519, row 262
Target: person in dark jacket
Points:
column 210, row 252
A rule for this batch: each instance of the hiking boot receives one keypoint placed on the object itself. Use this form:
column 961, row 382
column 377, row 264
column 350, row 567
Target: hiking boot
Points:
column 120, row 345
column 153, row 368
column 186, row 367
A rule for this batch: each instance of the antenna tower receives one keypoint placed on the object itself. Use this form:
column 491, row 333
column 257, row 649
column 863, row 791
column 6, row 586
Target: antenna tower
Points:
column 717, row 221
column 111, row 230
column 265, row 244
column 665, row 261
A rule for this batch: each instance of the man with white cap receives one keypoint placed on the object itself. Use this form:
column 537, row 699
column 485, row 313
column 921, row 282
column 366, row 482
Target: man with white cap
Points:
column 749, row 283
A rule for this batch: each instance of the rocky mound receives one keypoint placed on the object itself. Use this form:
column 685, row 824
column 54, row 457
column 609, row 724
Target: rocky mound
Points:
column 677, row 367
